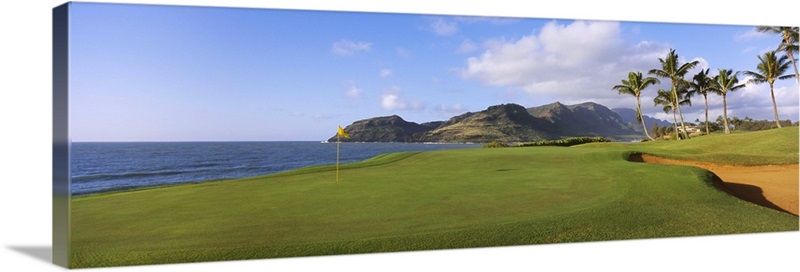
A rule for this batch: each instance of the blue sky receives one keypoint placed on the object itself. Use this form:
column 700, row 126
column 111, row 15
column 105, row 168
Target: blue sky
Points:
column 168, row 73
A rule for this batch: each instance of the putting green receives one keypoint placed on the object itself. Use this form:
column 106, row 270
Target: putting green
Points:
column 416, row 201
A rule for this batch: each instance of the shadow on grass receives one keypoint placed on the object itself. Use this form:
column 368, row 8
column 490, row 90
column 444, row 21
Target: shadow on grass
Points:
column 42, row 253
column 750, row 193
column 746, row 192
column 634, row 157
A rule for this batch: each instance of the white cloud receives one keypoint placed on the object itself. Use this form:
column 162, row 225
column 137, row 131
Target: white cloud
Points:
column 754, row 51
column 384, row 73
column 467, row 46
column 581, row 61
column 758, row 96
column 571, row 63
column 450, row 110
column 348, row 47
column 702, row 64
column 391, row 101
column 490, row 20
column 354, row 92
column 748, row 49
column 787, row 95
column 443, row 28
column 750, row 35
column 753, row 101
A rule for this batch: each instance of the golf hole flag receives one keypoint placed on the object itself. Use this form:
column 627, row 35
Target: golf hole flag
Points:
column 340, row 133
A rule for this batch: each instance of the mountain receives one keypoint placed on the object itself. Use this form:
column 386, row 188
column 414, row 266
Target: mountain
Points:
column 385, row 129
column 505, row 123
column 586, row 119
column 629, row 116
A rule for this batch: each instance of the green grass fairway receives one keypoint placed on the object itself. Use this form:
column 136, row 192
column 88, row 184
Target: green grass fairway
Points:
column 776, row 146
column 433, row 200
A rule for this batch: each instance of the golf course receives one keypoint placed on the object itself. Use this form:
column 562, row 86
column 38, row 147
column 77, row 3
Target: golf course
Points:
column 447, row 199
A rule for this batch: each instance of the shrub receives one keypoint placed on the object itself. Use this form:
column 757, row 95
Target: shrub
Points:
column 494, row 144
column 570, row 141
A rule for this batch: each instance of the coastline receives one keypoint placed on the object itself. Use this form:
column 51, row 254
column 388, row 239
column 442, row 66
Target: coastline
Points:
column 101, row 168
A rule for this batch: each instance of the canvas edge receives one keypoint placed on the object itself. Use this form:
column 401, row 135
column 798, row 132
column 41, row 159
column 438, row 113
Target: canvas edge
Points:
column 61, row 140
column 61, row 143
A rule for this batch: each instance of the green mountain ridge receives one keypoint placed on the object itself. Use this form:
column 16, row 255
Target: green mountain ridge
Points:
column 504, row 123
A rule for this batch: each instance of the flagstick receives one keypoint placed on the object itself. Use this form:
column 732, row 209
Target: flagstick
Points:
column 337, row 157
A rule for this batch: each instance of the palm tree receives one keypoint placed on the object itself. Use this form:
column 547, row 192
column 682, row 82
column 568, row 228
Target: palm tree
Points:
column 726, row 81
column 700, row 84
column 634, row 86
column 672, row 69
column 666, row 99
column 789, row 39
column 770, row 68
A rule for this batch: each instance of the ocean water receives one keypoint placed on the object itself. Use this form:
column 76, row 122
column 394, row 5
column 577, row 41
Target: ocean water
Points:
column 102, row 167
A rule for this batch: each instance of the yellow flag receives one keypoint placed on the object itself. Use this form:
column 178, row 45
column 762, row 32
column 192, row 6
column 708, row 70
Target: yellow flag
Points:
column 342, row 133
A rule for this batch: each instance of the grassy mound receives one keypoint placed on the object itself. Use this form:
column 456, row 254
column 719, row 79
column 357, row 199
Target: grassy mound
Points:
column 776, row 146
column 429, row 200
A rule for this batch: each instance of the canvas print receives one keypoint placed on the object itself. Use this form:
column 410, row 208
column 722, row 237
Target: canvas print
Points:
column 196, row 134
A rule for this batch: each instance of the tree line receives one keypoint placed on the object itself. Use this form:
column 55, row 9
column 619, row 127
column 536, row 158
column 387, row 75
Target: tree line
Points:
column 735, row 124
column 773, row 65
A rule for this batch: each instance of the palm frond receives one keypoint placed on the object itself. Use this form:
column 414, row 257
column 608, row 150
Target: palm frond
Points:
column 770, row 68
column 772, row 29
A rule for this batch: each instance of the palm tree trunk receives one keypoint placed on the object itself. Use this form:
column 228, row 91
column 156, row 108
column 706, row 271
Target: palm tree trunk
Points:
column 774, row 106
column 787, row 43
column 796, row 74
column 725, row 113
column 705, row 99
column 675, row 124
column 683, row 124
column 639, row 112
column 678, row 105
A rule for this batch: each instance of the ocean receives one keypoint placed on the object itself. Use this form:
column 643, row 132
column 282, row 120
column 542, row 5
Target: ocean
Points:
column 103, row 167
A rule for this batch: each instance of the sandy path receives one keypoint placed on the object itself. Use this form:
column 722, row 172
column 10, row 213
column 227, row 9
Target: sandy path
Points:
column 773, row 186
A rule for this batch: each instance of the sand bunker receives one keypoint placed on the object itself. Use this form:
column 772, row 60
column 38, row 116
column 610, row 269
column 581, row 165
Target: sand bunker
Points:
column 773, row 186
